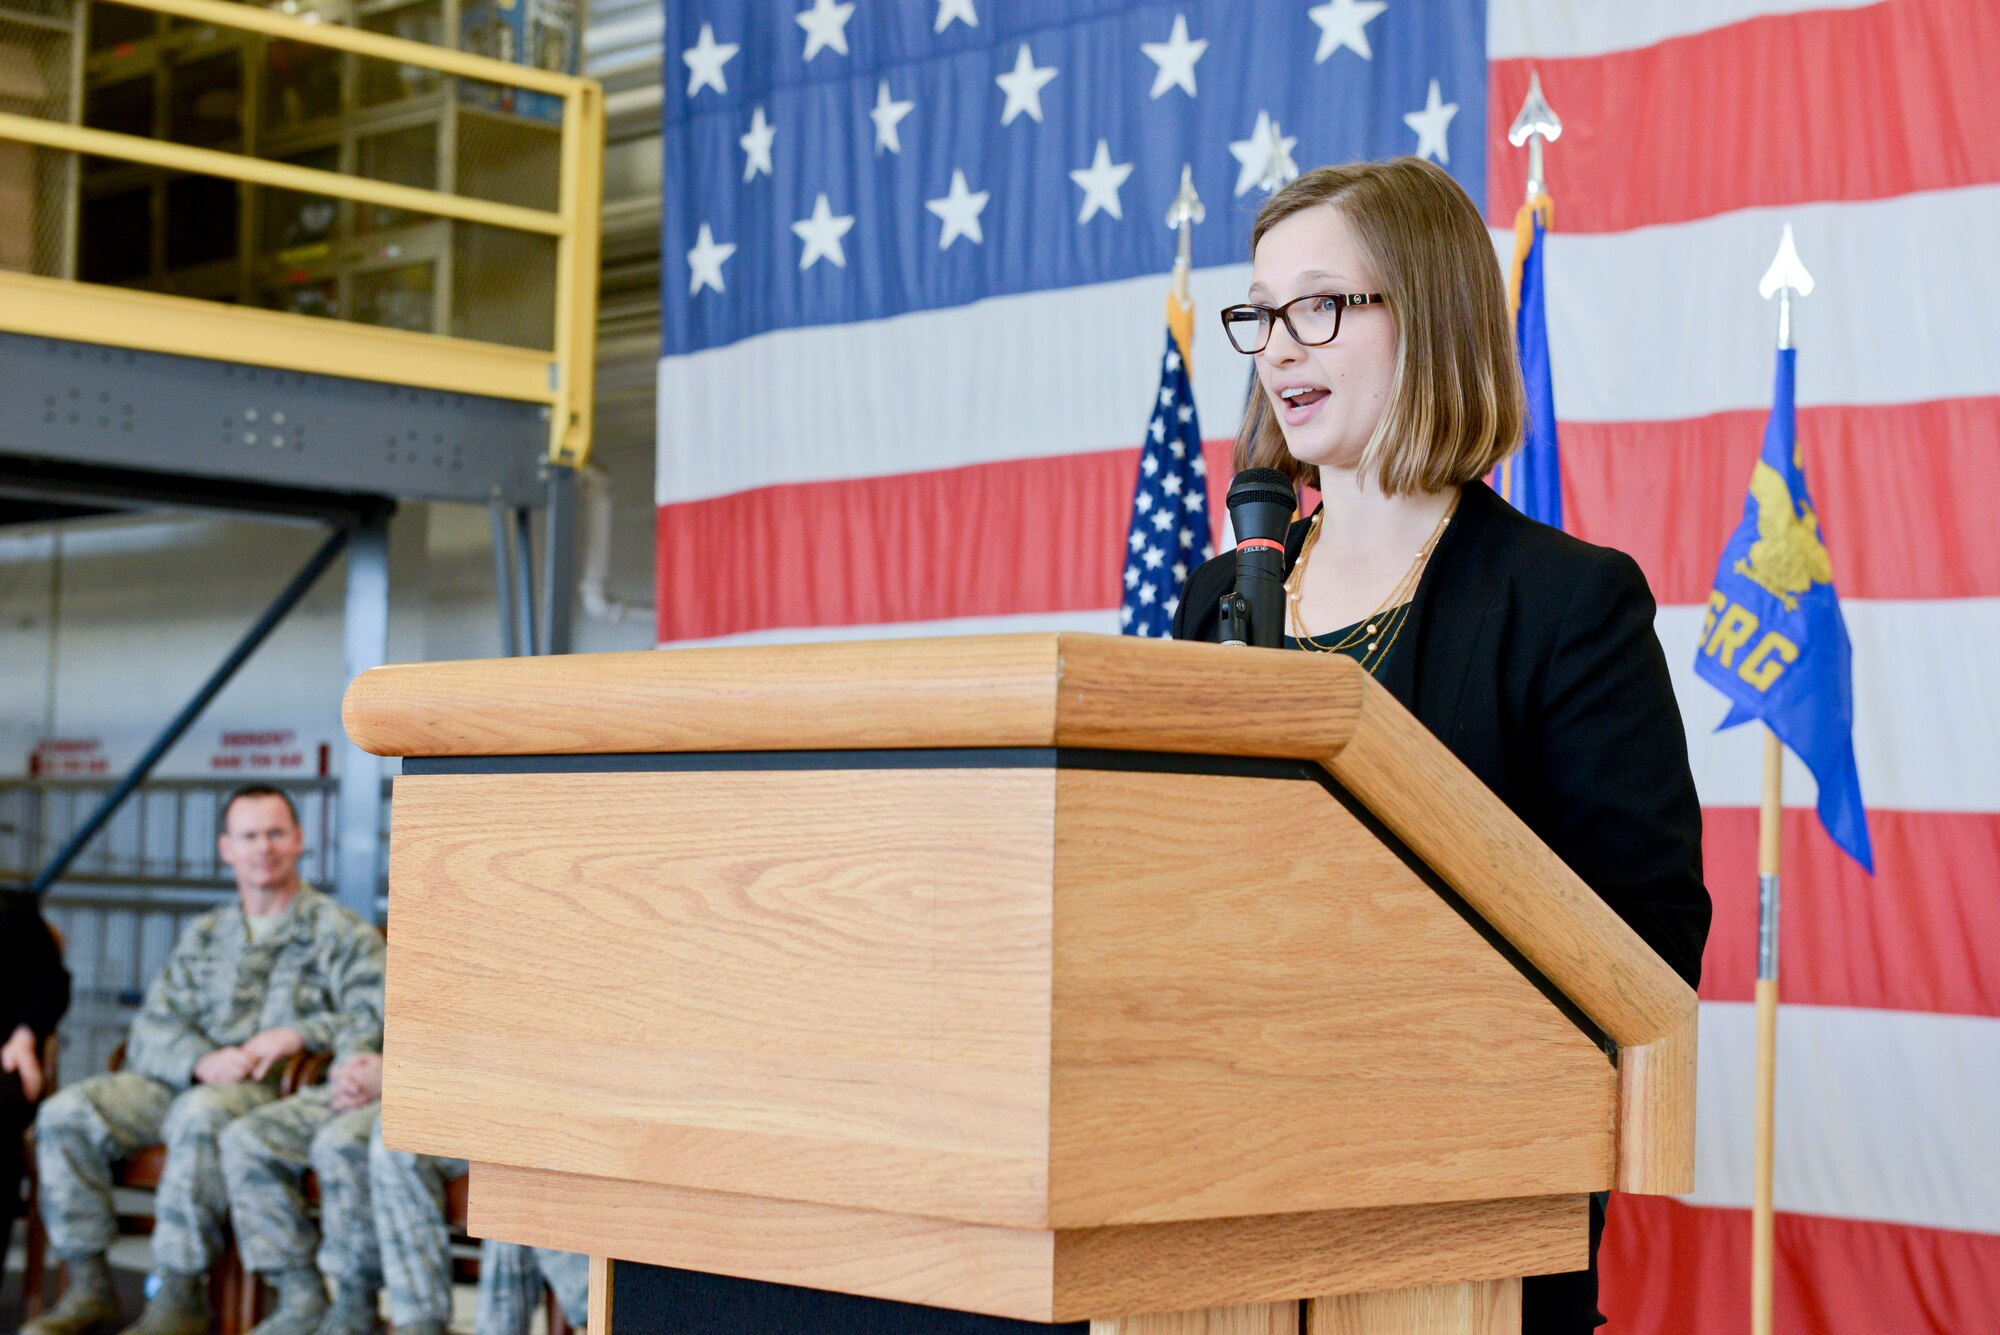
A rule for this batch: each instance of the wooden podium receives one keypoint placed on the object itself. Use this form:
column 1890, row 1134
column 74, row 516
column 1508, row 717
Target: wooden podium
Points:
column 1001, row 984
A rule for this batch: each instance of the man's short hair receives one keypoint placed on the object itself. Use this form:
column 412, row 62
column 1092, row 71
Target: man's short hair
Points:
column 252, row 790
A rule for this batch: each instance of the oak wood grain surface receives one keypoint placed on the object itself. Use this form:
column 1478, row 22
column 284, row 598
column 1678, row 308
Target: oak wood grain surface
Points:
column 1414, row 784
column 1489, row 1308
column 830, row 986
column 1035, row 1275
column 1069, row 1020
column 1656, row 1089
column 1259, row 1008
column 1209, row 1263
column 985, row 690
column 905, row 1258
column 1074, row 690
column 1246, row 1319
column 600, row 1294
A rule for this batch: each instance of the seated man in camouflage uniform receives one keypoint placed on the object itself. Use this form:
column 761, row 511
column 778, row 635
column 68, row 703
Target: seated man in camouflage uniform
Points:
column 265, row 1156
column 511, row 1277
column 416, row 1254
column 282, row 970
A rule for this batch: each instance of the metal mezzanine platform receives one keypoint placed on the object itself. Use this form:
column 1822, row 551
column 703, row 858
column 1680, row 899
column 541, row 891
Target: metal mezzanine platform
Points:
column 223, row 385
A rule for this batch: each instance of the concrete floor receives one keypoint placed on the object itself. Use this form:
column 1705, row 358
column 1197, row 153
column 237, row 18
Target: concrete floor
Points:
column 131, row 1260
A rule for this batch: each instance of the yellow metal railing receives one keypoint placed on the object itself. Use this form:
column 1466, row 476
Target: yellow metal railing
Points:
column 563, row 378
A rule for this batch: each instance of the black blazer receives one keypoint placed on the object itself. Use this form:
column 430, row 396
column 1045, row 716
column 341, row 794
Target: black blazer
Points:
column 34, row 985
column 1535, row 661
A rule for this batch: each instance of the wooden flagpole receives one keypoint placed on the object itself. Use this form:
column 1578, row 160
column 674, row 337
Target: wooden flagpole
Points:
column 1785, row 277
column 1762, row 1254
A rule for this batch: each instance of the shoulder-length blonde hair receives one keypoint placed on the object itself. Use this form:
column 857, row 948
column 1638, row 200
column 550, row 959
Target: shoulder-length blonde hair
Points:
column 1456, row 404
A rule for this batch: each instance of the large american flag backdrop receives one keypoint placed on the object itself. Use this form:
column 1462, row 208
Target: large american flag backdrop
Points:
column 914, row 289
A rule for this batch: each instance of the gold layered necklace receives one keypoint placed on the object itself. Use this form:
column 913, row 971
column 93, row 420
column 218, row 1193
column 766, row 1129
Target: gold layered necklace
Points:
column 1376, row 633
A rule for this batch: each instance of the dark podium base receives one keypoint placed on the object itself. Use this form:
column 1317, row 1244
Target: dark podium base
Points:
column 655, row 1300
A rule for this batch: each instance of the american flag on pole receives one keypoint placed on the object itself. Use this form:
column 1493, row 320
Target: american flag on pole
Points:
column 913, row 270
column 1169, row 533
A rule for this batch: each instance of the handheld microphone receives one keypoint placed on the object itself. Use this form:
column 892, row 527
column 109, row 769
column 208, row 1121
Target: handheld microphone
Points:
column 1261, row 501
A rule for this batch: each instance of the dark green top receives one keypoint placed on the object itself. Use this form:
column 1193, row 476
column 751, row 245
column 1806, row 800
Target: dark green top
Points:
column 1393, row 671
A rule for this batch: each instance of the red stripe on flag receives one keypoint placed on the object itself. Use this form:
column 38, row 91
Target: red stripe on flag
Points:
column 1922, row 935
column 984, row 540
column 1673, row 1269
column 1784, row 109
column 1670, row 493
column 1047, row 535
column 1001, row 539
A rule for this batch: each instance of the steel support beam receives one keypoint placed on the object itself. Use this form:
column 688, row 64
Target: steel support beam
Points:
column 56, row 482
column 503, row 577
column 361, row 774
column 230, row 425
column 524, row 549
column 559, row 552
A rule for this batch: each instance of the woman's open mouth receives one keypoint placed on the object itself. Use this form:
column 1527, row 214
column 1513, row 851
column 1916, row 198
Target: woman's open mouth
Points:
column 1300, row 402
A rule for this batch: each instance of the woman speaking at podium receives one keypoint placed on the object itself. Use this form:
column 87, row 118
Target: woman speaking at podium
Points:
column 1386, row 377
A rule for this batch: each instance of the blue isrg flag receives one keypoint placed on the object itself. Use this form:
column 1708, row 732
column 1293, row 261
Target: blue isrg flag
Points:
column 1774, row 641
column 1169, row 532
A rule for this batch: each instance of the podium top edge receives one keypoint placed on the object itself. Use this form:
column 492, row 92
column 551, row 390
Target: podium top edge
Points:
column 1038, row 689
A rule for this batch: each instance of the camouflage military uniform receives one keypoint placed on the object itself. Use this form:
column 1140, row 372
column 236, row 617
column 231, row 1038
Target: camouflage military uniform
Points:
column 407, row 1192
column 318, row 970
column 510, row 1286
column 416, row 1252
column 265, row 1155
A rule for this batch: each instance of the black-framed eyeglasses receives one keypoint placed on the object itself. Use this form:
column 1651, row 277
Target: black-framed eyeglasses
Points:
column 1312, row 320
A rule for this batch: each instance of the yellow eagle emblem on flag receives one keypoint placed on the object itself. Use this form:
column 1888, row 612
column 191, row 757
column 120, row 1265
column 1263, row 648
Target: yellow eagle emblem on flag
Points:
column 1787, row 558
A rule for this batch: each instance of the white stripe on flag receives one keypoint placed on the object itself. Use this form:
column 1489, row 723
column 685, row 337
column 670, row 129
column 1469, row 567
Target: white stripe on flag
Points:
column 1661, row 322
column 1665, row 322
column 1554, row 28
column 1884, row 1115
column 1094, row 622
column 1926, row 718
column 1069, row 371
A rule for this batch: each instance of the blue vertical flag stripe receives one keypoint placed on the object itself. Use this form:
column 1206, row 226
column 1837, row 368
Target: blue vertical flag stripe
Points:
column 1170, row 528
column 1774, row 641
column 1344, row 84
column 1534, row 474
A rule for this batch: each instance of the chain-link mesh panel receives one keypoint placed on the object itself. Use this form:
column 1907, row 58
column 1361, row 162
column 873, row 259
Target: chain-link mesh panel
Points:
column 37, row 210
column 306, row 254
column 37, row 44
column 38, row 50
column 504, row 286
column 418, row 273
column 380, row 83
column 132, row 71
column 509, row 159
column 462, row 136
column 421, row 274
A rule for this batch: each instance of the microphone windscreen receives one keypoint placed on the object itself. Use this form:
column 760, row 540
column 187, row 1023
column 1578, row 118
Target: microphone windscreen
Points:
column 1261, row 501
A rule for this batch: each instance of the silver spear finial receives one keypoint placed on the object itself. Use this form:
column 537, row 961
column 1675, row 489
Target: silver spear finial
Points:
column 1535, row 126
column 1785, row 276
column 1184, row 213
